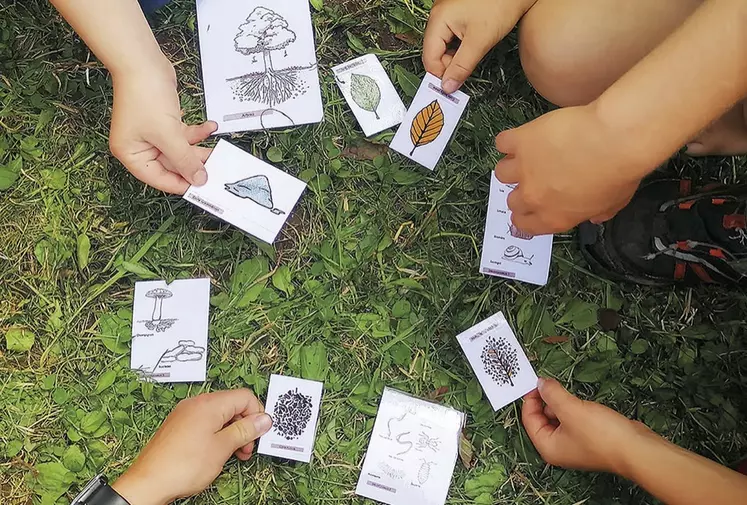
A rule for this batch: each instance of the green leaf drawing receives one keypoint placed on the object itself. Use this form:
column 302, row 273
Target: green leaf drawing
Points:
column 366, row 93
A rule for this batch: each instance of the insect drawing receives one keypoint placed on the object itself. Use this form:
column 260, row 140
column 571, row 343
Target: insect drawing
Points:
column 425, row 441
column 389, row 425
column 425, row 471
column 257, row 189
column 515, row 254
column 404, row 442
column 292, row 414
column 365, row 93
column 391, row 472
column 500, row 360
column 427, row 125
column 157, row 322
column 266, row 32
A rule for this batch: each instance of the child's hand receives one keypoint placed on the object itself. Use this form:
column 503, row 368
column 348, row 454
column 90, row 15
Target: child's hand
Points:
column 479, row 24
column 570, row 166
column 577, row 434
column 148, row 136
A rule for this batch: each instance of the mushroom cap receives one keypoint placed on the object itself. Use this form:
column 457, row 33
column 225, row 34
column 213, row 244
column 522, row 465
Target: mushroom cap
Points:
column 159, row 293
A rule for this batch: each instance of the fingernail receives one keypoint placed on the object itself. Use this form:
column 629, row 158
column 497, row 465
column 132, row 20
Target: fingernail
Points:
column 262, row 423
column 694, row 148
column 200, row 178
column 450, row 85
column 213, row 125
column 541, row 381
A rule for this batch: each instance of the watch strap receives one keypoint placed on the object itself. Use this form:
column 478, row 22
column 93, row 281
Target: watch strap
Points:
column 105, row 495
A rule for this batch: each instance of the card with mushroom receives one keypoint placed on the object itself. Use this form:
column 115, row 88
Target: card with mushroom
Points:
column 170, row 330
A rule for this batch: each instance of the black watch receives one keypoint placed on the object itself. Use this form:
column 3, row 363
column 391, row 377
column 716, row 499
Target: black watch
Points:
column 98, row 492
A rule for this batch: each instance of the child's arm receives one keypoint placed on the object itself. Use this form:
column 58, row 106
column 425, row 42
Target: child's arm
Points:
column 584, row 163
column 572, row 433
column 147, row 134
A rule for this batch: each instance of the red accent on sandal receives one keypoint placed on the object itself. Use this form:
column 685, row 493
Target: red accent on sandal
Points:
column 686, row 186
column 734, row 221
column 717, row 253
column 683, row 245
column 686, row 205
column 701, row 272
column 679, row 271
column 718, row 201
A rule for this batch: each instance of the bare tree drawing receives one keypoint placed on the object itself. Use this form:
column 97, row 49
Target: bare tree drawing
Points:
column 265, row 31
column 500, row 360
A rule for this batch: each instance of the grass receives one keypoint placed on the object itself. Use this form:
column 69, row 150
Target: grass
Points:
column 370, row 282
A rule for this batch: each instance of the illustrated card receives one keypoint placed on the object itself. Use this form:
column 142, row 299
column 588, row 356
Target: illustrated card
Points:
column 246, row 192
column 507, row 251
column 293, row 405
column 370, row 93
column 429, row 123
column 412, row 452
column 259, row 65
column 170, row 330
column 498, row 361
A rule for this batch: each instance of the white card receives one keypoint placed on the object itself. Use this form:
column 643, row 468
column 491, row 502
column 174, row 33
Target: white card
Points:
column 246, row 192
column 429, row 123
column 293, row 405
column 170, row 330
column 498, row 361
column 370, row 93
column 507, row 251
column 259, row 64
column 412, row 452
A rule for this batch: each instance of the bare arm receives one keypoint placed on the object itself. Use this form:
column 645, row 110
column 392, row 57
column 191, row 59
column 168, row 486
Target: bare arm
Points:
column 689, row 81
column 572, row 433
column 117, row 33
column 680, row 477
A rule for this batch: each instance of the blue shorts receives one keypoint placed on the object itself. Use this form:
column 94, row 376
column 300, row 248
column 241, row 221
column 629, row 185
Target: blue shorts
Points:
column 151, row 5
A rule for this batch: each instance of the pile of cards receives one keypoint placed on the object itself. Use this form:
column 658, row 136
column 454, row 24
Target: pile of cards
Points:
column 414, row 446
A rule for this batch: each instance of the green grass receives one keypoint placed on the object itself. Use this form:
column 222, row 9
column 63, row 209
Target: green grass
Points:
column 373, row 277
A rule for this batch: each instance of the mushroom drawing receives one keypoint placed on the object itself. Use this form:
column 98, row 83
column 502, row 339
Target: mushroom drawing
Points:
column 158, row 294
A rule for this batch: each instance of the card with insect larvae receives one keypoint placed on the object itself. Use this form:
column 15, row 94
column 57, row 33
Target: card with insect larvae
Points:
column 412, row 452
column 170, row 330
column 507, row 251
column 246, row 192
column 293, row 405
column 259, row 64
column 429, row 122
column 370, row 93
column 498, row 360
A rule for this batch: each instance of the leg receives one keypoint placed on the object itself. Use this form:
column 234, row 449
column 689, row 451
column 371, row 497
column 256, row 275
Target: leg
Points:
column 573, row 50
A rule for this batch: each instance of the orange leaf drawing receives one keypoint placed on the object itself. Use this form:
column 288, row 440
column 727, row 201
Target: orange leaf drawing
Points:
column 427, row 125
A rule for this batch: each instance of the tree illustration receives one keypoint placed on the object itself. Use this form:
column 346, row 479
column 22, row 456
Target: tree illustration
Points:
column 265, row 31
column 500, row 360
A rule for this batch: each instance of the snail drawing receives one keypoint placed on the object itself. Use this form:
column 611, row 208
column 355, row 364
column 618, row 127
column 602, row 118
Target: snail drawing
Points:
column 515, row 254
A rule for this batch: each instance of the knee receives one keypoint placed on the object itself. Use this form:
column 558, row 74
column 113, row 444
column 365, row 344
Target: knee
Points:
column 558, row 58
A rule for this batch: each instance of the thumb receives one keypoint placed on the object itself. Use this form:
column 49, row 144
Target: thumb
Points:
column 467, row 57
column 180, row 155
column 557, row 398
column 245, row 430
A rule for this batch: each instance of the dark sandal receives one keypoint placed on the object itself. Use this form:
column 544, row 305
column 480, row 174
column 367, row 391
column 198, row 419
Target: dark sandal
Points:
column 668, row 235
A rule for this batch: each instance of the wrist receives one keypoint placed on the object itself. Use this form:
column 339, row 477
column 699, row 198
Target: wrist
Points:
column 140, row 490
column 638, row 446
column 156, row 66
column 622, row 130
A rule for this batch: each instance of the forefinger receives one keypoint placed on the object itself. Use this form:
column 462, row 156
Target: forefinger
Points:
column 437, row 37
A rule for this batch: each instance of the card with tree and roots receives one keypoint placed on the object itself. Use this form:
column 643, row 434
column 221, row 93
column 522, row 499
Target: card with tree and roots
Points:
column 259, row 64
